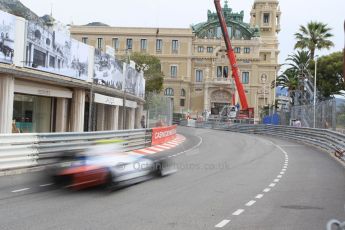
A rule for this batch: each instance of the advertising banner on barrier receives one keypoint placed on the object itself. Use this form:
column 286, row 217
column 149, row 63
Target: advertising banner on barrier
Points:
column 161, row 135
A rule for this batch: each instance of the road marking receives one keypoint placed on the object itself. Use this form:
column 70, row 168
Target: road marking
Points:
column 259, row 196
column 276, row 180
column 45, row 185
column 282, row 173
column 155, row 149
column 21, row 190
column 238, row 212
column 283, row 170
column 267, row 189
column 279, row 176
column 163, row 147
column 144, row 151
column 250, row 203
column 222, row 223
column 169, row 145
column 272, row 185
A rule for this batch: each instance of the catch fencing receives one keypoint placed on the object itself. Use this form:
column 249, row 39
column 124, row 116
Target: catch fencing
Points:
column 159, row 110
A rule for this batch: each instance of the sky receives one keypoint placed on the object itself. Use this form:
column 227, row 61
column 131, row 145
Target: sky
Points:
column 183, row 13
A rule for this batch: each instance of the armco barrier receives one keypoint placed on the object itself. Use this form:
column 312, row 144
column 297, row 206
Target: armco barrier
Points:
column 322, row 138
column 19, row 151
column 163, row 134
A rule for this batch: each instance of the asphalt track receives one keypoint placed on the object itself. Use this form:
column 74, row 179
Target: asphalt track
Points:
column 224, row 181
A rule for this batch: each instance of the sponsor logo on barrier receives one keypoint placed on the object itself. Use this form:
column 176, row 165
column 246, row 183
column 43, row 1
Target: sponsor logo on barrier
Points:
column 163, row 134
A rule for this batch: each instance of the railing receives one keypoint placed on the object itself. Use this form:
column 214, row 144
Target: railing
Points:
column 19, row 151
column 322, row 138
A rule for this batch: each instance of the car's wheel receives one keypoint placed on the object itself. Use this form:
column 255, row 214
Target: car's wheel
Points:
column 110, row 184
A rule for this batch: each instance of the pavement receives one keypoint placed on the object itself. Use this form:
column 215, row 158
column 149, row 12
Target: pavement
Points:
column 224, row 181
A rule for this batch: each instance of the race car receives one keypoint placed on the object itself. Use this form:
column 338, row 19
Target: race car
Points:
column 107, row 165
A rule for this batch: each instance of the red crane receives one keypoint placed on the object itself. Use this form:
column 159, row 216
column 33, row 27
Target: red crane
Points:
column 245, row 111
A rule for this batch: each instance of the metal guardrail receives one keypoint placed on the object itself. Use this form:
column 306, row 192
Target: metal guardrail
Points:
column 325, row 139
column 38, row 149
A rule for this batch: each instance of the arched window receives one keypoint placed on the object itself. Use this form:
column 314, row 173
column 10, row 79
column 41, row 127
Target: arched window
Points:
column 183, row 93
column 169, row 92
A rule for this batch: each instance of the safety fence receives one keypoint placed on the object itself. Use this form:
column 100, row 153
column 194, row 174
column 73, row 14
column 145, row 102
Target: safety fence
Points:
column 325, row 139
column 19, row 151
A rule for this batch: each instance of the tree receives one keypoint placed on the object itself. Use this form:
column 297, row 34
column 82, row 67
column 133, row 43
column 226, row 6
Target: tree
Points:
column 314, row 36
column 299, row 62
column 330, row 79
column 151, row 66
column 293, row 77
column 288, row 79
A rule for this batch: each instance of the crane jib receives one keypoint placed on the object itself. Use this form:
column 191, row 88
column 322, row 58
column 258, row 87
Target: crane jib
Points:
column 231, row 56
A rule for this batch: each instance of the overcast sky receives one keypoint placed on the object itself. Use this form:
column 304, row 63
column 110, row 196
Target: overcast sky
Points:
column 183, row 13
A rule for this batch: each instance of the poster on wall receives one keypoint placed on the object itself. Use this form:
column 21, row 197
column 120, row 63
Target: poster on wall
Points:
column 140, row 88
column 52, row 50
column 131, row 76
column 108, row 70
column 7, row 33
column 79, row 63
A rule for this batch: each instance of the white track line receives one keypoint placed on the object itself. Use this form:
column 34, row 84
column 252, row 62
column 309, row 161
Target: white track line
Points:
column 45, row 185
column 266, row 190
column 222, row 223
column 238, row 212
column 272, row 185
column 250, row 203
column 259, row 196
column 21, row 190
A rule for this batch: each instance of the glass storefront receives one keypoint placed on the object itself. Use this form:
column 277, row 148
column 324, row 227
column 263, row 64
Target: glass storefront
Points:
column 32, row 113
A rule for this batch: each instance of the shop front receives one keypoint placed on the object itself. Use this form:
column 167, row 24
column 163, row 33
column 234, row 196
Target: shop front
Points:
column 40, row 108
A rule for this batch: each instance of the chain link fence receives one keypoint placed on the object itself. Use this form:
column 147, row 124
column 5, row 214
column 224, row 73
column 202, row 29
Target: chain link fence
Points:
column 327, row 115
column 159, row 110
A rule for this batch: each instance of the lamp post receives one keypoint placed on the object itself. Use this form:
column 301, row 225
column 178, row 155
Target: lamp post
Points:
column 274, row 89
column 315, row 92
column 344, row 55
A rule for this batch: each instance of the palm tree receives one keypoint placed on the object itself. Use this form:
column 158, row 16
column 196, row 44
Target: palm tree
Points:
column 288, row 79
column 314, row 36
column 299, row 62
column 293, row 77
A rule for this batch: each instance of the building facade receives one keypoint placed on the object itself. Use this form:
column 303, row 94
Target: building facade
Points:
column 197, row 71
column 47, row 83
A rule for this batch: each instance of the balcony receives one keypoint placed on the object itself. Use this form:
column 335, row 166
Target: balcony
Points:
column 220, row 81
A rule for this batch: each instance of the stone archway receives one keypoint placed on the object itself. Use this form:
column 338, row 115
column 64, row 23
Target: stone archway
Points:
column 218, row 99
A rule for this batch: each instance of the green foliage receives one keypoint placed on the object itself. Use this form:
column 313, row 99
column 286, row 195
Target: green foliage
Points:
column 329, row 74
column 298, row 68
column 151, row 66
column 314, row 36
column 288, row 79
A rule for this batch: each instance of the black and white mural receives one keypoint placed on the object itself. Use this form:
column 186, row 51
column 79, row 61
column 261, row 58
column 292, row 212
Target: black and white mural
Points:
column 108, row 70
column 131, row 80
column 7, row 33
column 140, row 91
column 53, row 50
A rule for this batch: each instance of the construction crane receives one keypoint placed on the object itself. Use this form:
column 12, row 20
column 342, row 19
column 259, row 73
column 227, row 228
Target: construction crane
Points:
column 245, row 111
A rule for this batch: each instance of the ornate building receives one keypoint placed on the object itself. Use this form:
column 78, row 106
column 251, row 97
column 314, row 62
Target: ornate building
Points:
column 194, row 62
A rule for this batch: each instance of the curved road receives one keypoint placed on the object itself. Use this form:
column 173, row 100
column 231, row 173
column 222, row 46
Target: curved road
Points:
column 225, row 181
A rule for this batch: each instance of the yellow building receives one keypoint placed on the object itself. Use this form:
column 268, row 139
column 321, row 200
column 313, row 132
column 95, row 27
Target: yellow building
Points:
column 194, row 62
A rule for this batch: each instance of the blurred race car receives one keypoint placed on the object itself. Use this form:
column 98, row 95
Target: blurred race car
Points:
column 107, row 165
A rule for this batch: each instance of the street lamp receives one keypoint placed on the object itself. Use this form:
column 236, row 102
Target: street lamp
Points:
column 315, row 91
